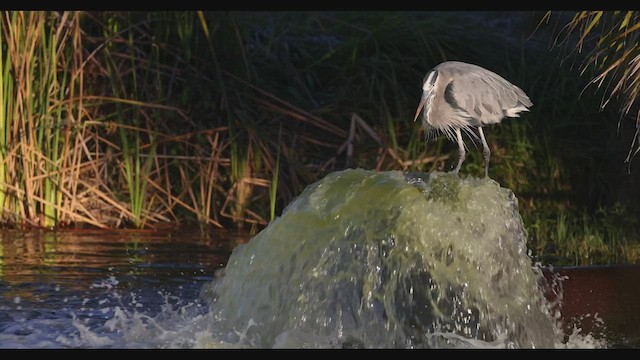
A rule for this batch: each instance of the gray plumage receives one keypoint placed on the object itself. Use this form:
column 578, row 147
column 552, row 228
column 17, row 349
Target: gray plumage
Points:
column 459, row 96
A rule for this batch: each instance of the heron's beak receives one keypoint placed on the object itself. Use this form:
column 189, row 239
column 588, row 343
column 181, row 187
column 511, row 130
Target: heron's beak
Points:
column 420, row 106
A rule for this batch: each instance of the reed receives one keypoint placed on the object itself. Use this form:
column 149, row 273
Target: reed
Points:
column 136, row 175
column 273, row 187
column 41, row 106
column 584, row 239
column 223, row 118
column 611, row 60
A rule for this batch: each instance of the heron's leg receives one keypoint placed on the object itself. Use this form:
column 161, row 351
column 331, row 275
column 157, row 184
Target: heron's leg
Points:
column 485, row 151
column 460, row 151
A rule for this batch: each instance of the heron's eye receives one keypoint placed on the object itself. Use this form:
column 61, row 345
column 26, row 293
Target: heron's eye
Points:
column 430, row 80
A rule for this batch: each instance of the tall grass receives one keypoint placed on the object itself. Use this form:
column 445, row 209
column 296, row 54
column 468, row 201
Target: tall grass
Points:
column 609, row 40
column 223, row 118
column 585, row 239
column 136, row 175
column 41, row 104
column 59, row 156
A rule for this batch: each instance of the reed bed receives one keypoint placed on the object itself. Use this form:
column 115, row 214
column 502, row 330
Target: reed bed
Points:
column 137, row 119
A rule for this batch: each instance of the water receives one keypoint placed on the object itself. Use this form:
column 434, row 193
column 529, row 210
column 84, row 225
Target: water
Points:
column 105, row 289
column 601, row 302
column 359, row 259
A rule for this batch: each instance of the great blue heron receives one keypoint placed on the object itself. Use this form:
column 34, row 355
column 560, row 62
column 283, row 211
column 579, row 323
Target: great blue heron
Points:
column 458, row 95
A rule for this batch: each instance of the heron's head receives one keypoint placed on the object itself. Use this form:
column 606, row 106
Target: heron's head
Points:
column 428, row 87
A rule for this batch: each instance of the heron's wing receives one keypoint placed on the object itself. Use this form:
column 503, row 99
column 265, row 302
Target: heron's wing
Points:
column 487, row 96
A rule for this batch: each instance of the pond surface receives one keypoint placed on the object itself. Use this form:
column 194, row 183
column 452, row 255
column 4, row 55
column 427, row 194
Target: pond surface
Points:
column 62, row 289
column 603, row 301
column 135, row 289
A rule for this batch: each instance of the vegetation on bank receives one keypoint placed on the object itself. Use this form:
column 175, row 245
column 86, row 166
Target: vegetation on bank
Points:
column 134, row 119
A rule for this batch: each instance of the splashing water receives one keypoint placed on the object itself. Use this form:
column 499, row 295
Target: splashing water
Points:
column 366, row 259
column 360, row 259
